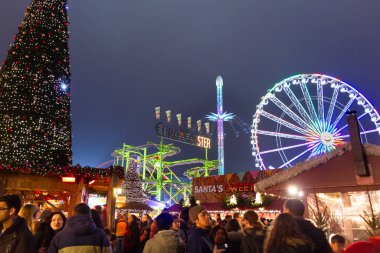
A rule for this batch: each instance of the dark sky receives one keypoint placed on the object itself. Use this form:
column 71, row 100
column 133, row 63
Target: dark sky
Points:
column 129, row 56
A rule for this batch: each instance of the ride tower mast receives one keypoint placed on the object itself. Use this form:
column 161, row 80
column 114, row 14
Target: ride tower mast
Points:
column 220, row 117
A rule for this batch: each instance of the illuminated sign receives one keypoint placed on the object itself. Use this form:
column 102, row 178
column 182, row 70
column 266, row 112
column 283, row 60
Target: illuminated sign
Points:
column 68, row 179
column 183, row 136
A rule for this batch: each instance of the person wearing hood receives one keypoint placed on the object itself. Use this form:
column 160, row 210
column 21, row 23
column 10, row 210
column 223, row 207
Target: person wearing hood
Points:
column 80, row 234
column 296, row 208
column 166, row 240
column 254, row 232
column 15, row 236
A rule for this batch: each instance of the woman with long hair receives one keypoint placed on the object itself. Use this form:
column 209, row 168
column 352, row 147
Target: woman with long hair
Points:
column 28, row 212
column 285, row 237
column 48, row 230
column 219, row 238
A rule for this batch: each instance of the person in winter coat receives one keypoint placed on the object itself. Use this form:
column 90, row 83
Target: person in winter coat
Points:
column 48, row 230
column 184, row 226
column 121, row 229
column 285, row 237
column 15, row 236
column 132, row 236
column 80, row 234
column 235, row 235
column 166, row 240
column 296, row 208
column 198, row 241
column 145, row 229
column 253, row 240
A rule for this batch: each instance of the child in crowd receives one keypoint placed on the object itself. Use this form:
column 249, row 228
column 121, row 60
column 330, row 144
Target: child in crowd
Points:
column 337, row 243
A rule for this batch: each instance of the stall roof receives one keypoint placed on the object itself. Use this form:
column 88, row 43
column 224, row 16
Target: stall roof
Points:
column 334, row 169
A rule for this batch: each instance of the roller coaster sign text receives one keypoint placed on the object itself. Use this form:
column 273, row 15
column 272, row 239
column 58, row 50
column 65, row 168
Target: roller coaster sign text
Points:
column 182, row 136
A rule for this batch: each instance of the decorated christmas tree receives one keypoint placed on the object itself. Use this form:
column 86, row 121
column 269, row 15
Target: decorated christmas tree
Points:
column 135, row 195
column 35, row 123
column 133, row 185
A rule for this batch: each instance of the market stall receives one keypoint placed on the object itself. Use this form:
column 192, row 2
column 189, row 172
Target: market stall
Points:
column 336, row 197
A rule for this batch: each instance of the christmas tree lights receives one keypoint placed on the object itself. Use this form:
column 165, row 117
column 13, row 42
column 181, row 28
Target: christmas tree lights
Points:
column 133, row 186
column 35, row 123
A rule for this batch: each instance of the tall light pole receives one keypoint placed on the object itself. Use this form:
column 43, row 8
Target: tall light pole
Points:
column 220, row 117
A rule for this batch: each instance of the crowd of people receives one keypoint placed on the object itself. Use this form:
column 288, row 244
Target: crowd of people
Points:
column 27, row 229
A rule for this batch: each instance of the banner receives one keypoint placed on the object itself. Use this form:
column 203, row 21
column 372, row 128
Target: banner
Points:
column 199, row 123
column 158, row 113
column 188, row 122
column 179, row 118
column 214, row 189
column 207, row 126
column 169, row 116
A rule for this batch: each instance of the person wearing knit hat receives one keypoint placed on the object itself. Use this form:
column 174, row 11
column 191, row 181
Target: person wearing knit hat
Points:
column 198, row 241
column 194, row 211
column 166, row 240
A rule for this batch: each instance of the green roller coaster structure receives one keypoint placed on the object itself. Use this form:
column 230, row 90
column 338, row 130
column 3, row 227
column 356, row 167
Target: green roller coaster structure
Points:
column 158, row 178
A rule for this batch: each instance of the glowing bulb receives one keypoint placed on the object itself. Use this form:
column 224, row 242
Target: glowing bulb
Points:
column 64, row 86
column 292, row 190
column 219, row 81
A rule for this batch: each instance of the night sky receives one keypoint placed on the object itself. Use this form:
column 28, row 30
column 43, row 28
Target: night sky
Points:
column 128, row 57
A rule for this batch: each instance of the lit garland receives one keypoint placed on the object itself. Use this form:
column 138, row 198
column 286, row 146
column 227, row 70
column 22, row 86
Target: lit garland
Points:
column 35, row 123
column 55, row 170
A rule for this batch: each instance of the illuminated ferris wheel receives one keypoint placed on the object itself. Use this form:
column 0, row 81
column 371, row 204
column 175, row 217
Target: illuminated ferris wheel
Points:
column 303, row 116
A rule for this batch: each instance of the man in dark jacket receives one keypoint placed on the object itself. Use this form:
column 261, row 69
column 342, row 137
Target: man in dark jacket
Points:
column 254, row 233
column 15, row 236
column 80, row 234
column 296, row 208
column 198, row 241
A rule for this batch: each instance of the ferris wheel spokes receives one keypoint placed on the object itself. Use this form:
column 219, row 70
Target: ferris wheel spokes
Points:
column 297, row 103
column 283, row 135
column 332, row 106
column 285, row 148
column 296, row 157
column 343, row 112
column 346, row 125
column 309, row 102
column 361, row 133
column 321, row 108
column 289, row 112
column 283, row 122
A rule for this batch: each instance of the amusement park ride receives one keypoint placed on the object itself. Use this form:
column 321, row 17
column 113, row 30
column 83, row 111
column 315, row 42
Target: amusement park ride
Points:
column 157, row 175
column 304, row 116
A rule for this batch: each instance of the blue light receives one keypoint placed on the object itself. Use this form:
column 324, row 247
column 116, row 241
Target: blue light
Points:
column 64, row 86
